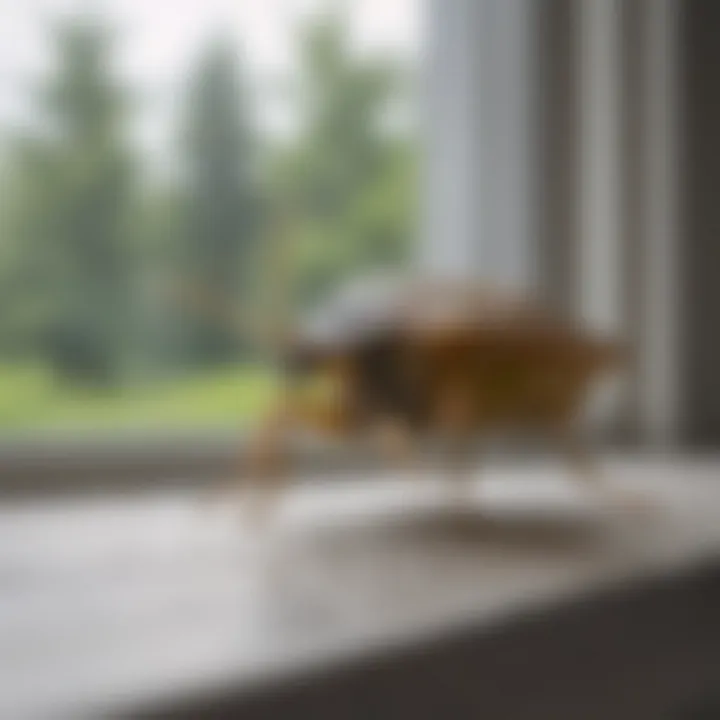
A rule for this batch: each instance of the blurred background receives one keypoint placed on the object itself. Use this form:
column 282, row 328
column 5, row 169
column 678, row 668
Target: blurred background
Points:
column 152, row 159
column 158, row 158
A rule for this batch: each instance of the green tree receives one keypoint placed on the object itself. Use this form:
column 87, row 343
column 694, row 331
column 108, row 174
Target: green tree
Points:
column 348, row 176
column 223, row 201
column 72, row 183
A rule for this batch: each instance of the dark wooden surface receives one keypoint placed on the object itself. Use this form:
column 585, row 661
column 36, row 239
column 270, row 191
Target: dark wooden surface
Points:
column 651, row 651
column 388, row 590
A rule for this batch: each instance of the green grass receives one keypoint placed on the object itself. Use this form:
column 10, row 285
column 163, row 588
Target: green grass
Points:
column 31, row 400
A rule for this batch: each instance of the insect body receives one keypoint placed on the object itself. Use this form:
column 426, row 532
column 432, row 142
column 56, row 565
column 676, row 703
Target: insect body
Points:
column 416, row 360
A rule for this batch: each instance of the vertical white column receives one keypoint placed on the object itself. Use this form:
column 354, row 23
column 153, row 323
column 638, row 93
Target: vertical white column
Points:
column 451, row 123
column 480, row 169
column 508, row 169
column 659, row 339
column 602, row 275
column 600, row 263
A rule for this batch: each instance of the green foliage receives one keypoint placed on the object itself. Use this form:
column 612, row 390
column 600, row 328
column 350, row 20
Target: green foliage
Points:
column 222, row 198
column 347, row 178
column 90, row 330
column 73, row 192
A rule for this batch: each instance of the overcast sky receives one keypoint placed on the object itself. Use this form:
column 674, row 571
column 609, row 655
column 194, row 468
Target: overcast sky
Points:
column 161, row 38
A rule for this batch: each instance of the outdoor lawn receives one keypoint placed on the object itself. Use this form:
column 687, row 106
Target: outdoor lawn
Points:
column 31, row 400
